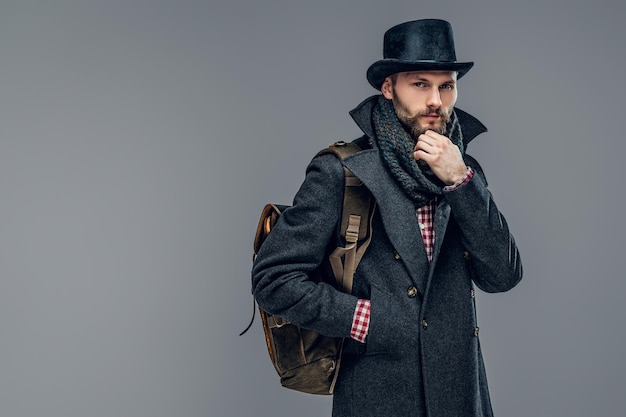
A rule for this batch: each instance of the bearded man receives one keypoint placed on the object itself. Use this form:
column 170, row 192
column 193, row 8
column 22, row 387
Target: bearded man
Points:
column 412, row 346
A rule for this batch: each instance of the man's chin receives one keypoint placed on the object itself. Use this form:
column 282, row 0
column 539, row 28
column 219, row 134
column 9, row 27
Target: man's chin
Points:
column 434, row 126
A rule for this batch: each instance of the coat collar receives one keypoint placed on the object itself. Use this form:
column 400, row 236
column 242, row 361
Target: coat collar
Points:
column 362, row 115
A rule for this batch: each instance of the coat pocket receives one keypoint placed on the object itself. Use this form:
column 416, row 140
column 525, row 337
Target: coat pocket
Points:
column 390, row 329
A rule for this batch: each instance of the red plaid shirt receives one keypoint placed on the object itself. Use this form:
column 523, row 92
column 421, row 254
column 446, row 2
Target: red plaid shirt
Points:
column 425, row 216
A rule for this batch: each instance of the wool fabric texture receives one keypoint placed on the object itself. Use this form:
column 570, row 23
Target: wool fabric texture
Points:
column 396, row 146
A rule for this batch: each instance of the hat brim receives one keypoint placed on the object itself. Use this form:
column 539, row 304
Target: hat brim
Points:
column 379, row 70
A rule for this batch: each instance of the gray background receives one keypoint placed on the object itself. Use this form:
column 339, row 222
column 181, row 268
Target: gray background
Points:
column 140, row 139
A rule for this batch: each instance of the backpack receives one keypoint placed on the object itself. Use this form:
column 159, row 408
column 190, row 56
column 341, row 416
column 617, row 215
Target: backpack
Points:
column 305, row 360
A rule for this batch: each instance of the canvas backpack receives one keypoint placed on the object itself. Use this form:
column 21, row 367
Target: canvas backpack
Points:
column 305, row 360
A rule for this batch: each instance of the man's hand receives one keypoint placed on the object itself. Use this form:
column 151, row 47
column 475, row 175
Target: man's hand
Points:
column 441, row 155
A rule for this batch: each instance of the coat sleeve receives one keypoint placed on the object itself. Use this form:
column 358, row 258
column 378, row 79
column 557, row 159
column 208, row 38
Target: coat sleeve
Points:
column 494, row 255
column 283, row 272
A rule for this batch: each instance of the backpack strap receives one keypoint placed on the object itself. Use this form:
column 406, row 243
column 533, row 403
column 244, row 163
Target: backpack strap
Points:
column 356, row 220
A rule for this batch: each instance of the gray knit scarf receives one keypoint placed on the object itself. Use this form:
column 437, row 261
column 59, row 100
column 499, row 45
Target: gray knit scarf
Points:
column 396, row 147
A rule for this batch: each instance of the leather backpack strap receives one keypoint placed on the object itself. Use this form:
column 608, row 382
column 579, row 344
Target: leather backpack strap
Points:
column 356, row 220
column 267, row 220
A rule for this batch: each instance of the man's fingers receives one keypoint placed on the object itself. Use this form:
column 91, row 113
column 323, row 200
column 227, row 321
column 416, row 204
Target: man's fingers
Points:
column 434, row 135
column 432, row 138
column 423, row 139
column 424, row 145
column 421, row 154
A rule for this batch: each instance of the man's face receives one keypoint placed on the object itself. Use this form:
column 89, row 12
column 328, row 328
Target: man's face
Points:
column 423, row 100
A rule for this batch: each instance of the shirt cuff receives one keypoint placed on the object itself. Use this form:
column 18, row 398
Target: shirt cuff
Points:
column 361, row 321
column 468, row 176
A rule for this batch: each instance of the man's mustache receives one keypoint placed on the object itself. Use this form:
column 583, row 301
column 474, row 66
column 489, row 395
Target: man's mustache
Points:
column 430, row 112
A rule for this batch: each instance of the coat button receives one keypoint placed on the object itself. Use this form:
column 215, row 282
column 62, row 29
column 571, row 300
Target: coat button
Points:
column 424, row 324
column 476, row 331
column 472, row 293
column 396, row 255
column 411, row 292
column 466, row 255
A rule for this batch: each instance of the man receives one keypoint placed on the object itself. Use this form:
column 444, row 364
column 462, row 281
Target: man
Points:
column 410, row 325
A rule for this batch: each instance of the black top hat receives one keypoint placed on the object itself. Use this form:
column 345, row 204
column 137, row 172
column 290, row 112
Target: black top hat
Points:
column 425, row 44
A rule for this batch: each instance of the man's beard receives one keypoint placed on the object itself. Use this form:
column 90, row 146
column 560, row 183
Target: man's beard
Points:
column 411, row 123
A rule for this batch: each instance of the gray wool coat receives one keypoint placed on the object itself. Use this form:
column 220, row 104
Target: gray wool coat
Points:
column 422, row 354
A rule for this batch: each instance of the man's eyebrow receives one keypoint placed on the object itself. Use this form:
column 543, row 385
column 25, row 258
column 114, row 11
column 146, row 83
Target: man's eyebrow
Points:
column 418, row 78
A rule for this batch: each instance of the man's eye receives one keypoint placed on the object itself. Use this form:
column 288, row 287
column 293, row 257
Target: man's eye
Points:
column 419, row 84
column 446, row 87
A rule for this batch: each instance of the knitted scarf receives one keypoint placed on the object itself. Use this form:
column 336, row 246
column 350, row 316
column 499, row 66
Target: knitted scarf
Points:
column 396, row 147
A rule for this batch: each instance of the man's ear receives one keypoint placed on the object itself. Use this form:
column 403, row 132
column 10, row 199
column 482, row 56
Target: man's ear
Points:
column 387, row 88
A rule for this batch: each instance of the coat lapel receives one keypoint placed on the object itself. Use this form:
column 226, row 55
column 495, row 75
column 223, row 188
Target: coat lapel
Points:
column 397, row 213
column 442, row 216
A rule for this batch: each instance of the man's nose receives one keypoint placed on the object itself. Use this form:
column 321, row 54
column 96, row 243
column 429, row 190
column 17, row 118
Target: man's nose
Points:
column 434, row 99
